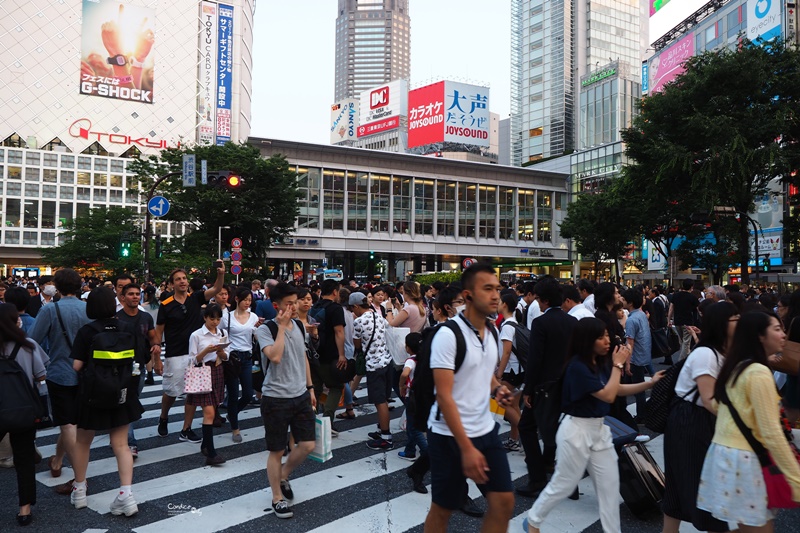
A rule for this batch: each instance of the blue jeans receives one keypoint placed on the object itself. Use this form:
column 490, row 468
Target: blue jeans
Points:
column 348, row 395
column 245, row 378
column 142, row 375
column 415, row 438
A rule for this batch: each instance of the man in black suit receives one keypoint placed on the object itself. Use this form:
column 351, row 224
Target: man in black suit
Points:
column 549, row 343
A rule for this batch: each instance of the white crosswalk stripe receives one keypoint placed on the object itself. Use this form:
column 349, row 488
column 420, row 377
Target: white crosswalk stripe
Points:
column 185, row 495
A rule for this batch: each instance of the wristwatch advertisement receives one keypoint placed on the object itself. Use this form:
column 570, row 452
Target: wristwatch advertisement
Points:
column 117, row 60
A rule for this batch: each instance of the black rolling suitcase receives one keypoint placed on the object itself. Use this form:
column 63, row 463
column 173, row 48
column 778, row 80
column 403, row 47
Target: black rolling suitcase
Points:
column 641, row 481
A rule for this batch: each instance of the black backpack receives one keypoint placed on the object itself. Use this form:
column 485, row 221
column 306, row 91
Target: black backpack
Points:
column 107, row 375
column 273, row 329
column 19, row 401
column 422, row 397
column 522, row 337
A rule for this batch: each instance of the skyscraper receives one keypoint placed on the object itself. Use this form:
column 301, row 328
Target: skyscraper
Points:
column 555, row 44
column 373, row 45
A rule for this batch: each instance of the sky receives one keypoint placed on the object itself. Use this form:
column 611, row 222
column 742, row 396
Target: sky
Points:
column 293, row 57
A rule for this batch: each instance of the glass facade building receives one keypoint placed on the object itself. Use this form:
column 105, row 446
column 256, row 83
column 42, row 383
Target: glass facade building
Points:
column 373, row 45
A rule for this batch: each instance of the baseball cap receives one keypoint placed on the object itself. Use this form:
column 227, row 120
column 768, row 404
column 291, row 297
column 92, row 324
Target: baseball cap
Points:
column 357, row 298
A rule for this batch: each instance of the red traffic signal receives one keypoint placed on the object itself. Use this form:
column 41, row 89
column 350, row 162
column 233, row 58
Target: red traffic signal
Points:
column 225, row 179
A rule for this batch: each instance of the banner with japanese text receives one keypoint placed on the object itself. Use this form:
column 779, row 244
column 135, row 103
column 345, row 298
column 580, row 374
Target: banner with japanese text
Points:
column 466, row 114
column 225, row 73
column 207, row 74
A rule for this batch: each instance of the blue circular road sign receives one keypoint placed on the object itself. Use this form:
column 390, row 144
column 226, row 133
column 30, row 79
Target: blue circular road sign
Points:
column 158, row 206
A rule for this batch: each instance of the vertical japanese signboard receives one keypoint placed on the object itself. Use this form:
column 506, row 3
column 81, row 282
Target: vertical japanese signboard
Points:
column 207, row 75
column 344, row 120
column 225, row 73
column 448, row 111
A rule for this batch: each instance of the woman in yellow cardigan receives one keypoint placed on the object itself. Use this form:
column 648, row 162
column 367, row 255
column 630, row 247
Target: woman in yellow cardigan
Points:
column 731, row 485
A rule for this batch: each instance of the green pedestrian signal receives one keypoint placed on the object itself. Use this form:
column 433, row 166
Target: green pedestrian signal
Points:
column 125, row 245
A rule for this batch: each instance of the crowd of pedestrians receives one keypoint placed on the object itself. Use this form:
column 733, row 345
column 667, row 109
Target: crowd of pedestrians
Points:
column 558, row 358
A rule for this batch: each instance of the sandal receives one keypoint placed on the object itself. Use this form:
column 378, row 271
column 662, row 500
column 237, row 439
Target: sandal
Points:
column 55, row 472
column 347, row 415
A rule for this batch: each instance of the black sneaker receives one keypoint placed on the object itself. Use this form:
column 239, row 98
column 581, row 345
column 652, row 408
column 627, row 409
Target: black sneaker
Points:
column 282, row 509
column 162, row 427
column 149, row 380
column 380, row 444
column 187, row 435
column 374, row 435
column 286, row 489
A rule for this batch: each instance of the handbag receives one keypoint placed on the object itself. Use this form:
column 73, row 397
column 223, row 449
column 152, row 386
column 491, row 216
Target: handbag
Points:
column 661, row 395
column 343, row 375
column 197, row 379
column 789, row 361
column 779, row 493
column 323, row 449
column 396, row 343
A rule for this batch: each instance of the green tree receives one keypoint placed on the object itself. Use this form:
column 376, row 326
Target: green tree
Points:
column 596, row 222
column 92, row 241
column 721, row 131
column 712, row 246
column 261, row 210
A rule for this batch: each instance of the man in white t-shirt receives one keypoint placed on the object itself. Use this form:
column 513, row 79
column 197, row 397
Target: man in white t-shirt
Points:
column 586, row 290
column 463, row 440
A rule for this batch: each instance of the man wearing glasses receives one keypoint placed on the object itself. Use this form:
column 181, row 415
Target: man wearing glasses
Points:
column 179, row 316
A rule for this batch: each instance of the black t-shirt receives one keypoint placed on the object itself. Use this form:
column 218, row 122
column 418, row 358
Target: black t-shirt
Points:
column 685, row 305
column 142, row 324
column 579, row 385
column 180, row 320
column 82, row 344
column 334, row 316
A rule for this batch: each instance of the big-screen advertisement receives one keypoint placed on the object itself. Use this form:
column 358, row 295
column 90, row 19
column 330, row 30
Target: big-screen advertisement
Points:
column 769, row 216
column 117, row 51
column 667, row 65
column 207, row 79
column 225, row 73
column 448, row 112
column 666, row 14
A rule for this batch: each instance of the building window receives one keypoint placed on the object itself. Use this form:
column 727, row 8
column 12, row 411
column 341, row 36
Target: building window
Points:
column 467, row 207
column 115, row 197
column 13, row 217
column 48, row 191
column 446, row 208
column 51, row 160
column 13, row 189
column 84, row 193
column 64, row 213
column 31, row 190
column 380, row 186
column 357, row 200
column 12, row 237
column 101, row 180
column 15, row 173
column 67, row 161
column 84, row 163
column 116, row 165
column 32, row 158
column 423, row 206
column 535, row 132
column 48, row 239
column 333, row 194
column 31, row 174
column 507, row 214
column 30, row 237
column 48, row 215
column 84, row 178
column 487, row 196
column 545, row 216
column 527, row 211
column 101, row 164
column 401, row 193
column 66, row 193
column 99, row 195
column 115, row 180
column 31, row 210
column 15, row 156
column 49, row 175
column 308, row 182
column 67, row 176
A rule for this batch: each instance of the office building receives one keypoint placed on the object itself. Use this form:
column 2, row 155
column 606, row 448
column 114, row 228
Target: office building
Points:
column 73, row 112
column 555, row 44
column 373, row 45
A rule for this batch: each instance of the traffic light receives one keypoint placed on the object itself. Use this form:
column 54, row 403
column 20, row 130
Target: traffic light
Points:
column 125, row 245
column 159, row 251
column 765, row 264
column 224, row 179
column 372, row 256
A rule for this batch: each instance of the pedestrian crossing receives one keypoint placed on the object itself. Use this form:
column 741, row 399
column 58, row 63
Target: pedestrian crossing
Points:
column 359, row 488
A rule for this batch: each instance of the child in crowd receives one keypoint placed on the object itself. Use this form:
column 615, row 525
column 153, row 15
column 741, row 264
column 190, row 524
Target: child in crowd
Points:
column 416, row 438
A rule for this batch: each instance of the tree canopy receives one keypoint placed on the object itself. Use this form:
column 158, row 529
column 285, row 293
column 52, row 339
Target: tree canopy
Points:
column 261, row 210
column 715, row 137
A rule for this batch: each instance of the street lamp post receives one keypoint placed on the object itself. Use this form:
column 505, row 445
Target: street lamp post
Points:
column 219, row 240
column 146, row 231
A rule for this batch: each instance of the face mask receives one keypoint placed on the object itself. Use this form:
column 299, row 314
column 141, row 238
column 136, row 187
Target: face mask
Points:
column 49, row 290
column 460, row 308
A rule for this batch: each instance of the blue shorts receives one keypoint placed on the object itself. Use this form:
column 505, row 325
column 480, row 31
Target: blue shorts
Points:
column 448, row 483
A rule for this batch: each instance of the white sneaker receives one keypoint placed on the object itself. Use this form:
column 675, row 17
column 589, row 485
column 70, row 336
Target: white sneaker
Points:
column 642, row 438
column 126, row 506
column 78, row 497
